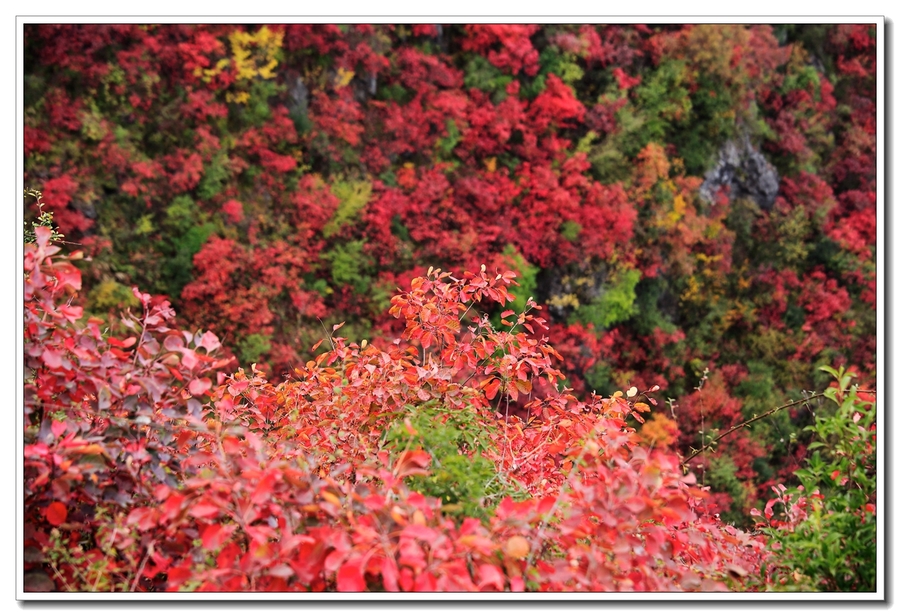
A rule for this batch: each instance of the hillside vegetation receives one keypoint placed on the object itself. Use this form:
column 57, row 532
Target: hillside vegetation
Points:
column 551, row 266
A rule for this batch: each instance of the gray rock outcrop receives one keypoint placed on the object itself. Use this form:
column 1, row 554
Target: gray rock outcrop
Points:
column 298, row 98
column 743, row 172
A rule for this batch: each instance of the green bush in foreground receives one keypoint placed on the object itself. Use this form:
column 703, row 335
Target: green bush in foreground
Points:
column 823, row 532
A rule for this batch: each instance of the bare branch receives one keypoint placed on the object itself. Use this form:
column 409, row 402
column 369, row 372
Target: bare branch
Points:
column 756, row 418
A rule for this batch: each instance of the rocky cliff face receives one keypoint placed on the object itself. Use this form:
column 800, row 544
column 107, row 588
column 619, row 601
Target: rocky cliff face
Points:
column 743, row 172
column 298, row 98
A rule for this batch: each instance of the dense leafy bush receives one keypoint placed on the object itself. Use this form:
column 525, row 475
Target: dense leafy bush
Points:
column 822, row 532
column 145, row 469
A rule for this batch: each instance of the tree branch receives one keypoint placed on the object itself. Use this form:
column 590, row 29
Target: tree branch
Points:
column 756, row 418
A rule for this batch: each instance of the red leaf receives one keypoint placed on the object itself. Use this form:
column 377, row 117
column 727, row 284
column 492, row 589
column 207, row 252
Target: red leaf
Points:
column 215, row 534
column 178, row 576
column 389, row 575
column 238, row 387
column 425, row 582
column 198, row 387
column 491, row 390
column 203, row 509
column 58, row 428
column 406, row 579
column 68, row 275
column 412, row 463
column 420, row 532
column 173, row 343
column 172, row 506
column 491, row 576
column 263, row 490
column 350, row 577
column 52, row 357
column 71, row 313
column 210, row 341
column 228, row 555
column 188, row 359
column 546, row 504
column 36, row 451
column 56, row 513
column 142, row 518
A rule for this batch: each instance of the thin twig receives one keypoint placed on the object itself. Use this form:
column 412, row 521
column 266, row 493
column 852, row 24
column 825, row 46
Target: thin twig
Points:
column 324, row 329
column 137, row 575
column 137, row 349
column 756, row 418
column 108, row 548
column 60, row 576
column 788, row 445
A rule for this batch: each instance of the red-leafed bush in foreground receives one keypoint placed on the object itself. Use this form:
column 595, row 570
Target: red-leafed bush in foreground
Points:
column 147, row 470
column 683, row 198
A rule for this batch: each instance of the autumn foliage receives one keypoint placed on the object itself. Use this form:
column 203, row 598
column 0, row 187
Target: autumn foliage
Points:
column 269, row 182
column 146, row 469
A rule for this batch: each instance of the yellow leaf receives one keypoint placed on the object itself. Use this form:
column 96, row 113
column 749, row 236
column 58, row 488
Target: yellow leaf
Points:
column 343, row 78
column 240, row 97
column 398, row 516
column 331, row 498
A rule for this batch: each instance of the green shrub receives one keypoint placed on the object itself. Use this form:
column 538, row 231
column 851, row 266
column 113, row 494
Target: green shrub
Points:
column 824, row 536
column 615, row 304
column 349, row 265
column 109, row 294
column 482, row 75
column 186, row 230
column 527, row 278
column 252, row 348
column 353, row 197
column 722, row 477
column 466, row 481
